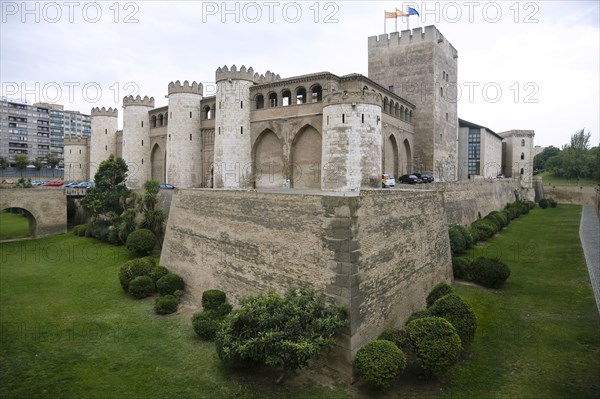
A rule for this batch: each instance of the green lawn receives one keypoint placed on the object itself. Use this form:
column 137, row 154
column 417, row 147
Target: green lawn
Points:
column 67, row 330
column 13, row 225
column 539, row 336
column 551, row 180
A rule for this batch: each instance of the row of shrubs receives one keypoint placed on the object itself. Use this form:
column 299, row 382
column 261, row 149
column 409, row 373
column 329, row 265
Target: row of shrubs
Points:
column 547, row 202
column 215, row 309
column 142, row 278
column 488, row 272
column 140, row 242
column 463, row 238
column 433, row 338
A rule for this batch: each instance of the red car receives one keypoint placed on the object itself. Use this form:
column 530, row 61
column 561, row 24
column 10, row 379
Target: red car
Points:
column 53, row 184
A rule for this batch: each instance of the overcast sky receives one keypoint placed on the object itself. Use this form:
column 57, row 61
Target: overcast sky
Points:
column 522, row 65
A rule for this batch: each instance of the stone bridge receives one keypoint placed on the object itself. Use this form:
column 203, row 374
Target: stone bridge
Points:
column 46, row 209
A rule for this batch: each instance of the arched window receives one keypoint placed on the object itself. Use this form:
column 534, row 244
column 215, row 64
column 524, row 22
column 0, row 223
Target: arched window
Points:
column 405, row 114
column 166, row 119
column 316, row 93
column 522, row 171
column 392, row 107
column 214, row 110
column 523, row 143
column 260, row 101
column 401, row 112
column 273, row 100
column 410, row 117
column 206, row 112
column 301, row 95
column 286, row 98
column 522, row 156
column 385, row 104
column 397, row 110
column 153, row 121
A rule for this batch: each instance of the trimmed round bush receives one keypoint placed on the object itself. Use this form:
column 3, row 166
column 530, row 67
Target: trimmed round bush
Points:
column 544, row 203
column 505, row 218
column 457, row 241
column 395, row 335
column 435, row 343
column 475, row 234
column 500, row 217
column 80, row 230
column 141, row 287
column 212, row 299
column 418, row 315
column 207, row 323
column 169, row 283
column 485, row 228
column 380, row 362
column 469, row 242
column 489, row 272
column 166, row 304
column 461, row 268
column 141, row 242
column 440, row 290
column 157, row 272
column 459, row 313
column 495, row 221
column 133, row 269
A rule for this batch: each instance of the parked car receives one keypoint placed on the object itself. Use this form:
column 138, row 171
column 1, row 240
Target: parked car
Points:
column 52, row 184
column 410, row 179
column 71, row 184
column 37, row 183
column 387, row 180
column 425, row 177
column 166, row 186
column 86, row 184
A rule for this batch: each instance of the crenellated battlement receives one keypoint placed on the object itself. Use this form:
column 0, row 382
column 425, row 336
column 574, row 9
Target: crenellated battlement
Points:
column 137, row 100
column 96, row 111
column 429, row 34
column 177, row 87
column 233, row 73
column 76, row 140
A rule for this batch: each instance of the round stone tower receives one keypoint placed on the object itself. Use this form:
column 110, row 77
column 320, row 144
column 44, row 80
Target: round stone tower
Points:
column 351, row 141
column 103, row 141
column 76, row 158
column 184, row 145
column 136, row 139
column 232, row 148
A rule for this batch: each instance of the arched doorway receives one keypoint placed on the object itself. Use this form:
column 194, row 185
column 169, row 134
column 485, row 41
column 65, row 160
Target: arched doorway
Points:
column 391, row 156
column 158, row 166
column 268, row 161
column 306, row 159
column 17, row 223
column 407, row 164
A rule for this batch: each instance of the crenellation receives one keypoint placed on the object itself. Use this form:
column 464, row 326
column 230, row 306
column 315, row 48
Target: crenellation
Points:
column 226, row 73
column 186, row 87
column 137, row 100
column 96, row 111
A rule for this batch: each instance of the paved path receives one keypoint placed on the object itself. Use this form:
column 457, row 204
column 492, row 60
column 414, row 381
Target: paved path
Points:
column 589, row 233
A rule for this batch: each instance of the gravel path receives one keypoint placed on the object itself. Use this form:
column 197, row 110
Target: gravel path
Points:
column 589, row 233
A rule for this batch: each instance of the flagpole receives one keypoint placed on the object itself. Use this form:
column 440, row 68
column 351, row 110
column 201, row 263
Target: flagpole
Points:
column 384, row 20
column 396, row 21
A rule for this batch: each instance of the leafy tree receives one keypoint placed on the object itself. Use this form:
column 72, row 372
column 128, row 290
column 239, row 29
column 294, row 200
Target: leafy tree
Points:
column 38, row 164
column 52, row 160
column 539, row 161
column 3, row 164
column 110, row 192
column 580, row 141
column 285, row 331
column 21, row 162
column 152, row 219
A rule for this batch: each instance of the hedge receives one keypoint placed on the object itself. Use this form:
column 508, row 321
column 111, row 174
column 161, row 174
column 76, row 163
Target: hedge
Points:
column 380, row 362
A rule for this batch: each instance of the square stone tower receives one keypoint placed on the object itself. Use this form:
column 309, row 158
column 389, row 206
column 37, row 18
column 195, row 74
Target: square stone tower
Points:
column 421, row 66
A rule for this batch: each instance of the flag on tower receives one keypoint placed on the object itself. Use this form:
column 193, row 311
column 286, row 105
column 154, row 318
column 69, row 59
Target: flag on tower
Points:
column 412, row 11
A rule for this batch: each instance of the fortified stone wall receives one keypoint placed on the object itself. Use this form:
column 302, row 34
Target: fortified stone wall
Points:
column 571, row 195
column 46, row 210
column 465, row 202
column 378, row 252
